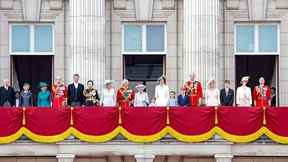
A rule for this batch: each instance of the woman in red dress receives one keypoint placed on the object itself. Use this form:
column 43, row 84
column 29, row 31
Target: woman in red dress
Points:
column 59, row 94
column 125, row 96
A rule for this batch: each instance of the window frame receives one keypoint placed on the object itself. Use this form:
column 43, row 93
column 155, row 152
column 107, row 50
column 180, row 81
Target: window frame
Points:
column 144, row 39
column 32, row 39
column 256, row 39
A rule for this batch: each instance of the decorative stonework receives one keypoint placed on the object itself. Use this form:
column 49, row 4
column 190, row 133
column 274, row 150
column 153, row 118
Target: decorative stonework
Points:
column 144, row 158
column 232, row 4
column 144, row 10
column 168, row 4
column 257, row 10
column 201, row 39
column 281, row 4
column 31, row 10
column 7, row 4
column 65, row 157
column 87, row 40
column 120, row 4
column 223, row 157
column 56, row 4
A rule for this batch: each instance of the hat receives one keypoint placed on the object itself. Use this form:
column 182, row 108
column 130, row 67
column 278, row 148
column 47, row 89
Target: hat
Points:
column 162, row 77
column 210, row 81
column 108, row 82
column 140, row 87
column 245, row 78
column 43, row 84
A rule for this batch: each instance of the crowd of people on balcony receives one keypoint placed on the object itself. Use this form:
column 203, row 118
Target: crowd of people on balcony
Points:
column 191, row 94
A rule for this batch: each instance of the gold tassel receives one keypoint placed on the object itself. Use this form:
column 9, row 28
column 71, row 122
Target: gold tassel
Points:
column 23, row 118
column 119, row 119
column 216, row 116
column 168, row 117
column 71, row 116
column 264, row 115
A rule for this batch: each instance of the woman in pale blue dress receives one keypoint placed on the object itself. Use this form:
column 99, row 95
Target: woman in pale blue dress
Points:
column 44, row 96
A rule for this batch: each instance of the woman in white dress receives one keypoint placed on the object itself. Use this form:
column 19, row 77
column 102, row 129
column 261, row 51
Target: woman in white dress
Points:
column 212, row 94
column 108, row 95
column 162, row 93
column 141, row 97
column 243, row 94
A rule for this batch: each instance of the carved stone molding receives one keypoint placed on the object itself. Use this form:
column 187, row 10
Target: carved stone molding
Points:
column 168, row 4
column 7, row 4
column 56, row 4
column 257, row 9
column 281, row 4
column 31, row 10
column 120, row 4
column 232, row 4
column 144, row 10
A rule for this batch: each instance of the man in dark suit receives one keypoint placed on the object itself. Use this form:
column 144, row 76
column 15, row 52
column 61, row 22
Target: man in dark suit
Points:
column 183, row 99
column 75, row 92
column 227, row 95
column 7, row 94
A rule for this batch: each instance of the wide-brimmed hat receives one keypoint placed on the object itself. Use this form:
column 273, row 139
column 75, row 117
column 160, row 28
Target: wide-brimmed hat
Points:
column 162, row 77
column 106, row 82
column 43, row 84
column 245, row 78
column 140, row 87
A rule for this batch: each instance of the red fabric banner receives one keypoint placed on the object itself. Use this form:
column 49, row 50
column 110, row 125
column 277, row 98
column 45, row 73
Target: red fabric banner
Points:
column 144, row 121
column 277, row 120
column 192, row 121
column 98, row 124
column 95, row 121
column 47, row 122
column 240, row 121
column 10, row 121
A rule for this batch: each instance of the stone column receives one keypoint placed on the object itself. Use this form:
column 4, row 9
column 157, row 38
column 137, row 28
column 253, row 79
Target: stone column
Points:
column 65, row 157
column 87, row 42
column 144, row 158
column 223, row 157
column 201, row 38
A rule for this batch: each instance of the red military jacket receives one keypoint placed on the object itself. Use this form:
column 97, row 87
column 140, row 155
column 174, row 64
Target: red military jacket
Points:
column 262, row 96
column 125, row 97
column 194, row 90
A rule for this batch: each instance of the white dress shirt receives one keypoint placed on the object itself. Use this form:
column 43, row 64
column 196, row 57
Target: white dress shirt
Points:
column 108, row 97
column 75, row 85
column 212, row 97
column 243, row 96
column 162, row 95
column 141, row 99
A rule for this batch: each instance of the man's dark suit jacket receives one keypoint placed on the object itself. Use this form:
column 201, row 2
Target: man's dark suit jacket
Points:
column 7, row 95
column 75, row 95
column 183, row 100
column 227, row 100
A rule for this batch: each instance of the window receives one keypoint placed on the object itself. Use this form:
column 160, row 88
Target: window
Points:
column 144, row 39
column 257, row 39
column 31, row 39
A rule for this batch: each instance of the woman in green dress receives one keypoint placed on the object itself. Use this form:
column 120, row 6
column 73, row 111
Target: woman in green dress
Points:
column 44, row 96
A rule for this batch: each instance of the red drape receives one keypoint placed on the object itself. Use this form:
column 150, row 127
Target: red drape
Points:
column 95, row 121
column 277, row 120
column 144, row 121
column 240, row 121
column 192, row 121
column 10, row 121
column 47, row 122
column 98, row 124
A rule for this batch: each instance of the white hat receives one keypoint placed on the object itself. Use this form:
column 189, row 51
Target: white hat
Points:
column 245, row 78
column 210, row 81
column 108, row 82
column 140, row 87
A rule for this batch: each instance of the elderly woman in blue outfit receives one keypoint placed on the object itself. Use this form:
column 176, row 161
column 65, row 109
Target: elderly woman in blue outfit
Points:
column 44, row 96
